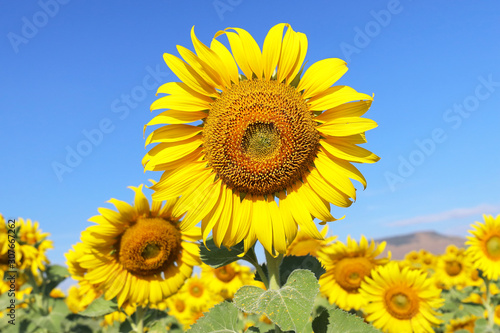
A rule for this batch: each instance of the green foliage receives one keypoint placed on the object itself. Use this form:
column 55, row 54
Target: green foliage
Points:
column 289, row 307
column 54, row 275
column 221, row 318
column 218, row 257
column 341, row 321
column 291, row 263
column 99, row 307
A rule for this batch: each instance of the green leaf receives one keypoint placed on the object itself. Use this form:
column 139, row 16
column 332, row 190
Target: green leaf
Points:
column 480, row 326
column 341, row 321
column 291, row 263
column 55, row 274
column 99, row 307
column 218, row 257
column 289, row 307
column 221, row 318
column 320, row 323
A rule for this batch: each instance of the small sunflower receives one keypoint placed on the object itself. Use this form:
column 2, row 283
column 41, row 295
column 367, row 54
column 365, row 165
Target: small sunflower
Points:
column 138, row 254
column 453, row 268
column 303, row 244
column 268, row 149
column 346, row 266
column 226, row 280
column 466, row 323
column 401, row 300
column 484, row 246
column 197, row 293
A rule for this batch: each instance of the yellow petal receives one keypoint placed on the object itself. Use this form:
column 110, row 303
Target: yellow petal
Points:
column 286, row 215
column 272, row 49
column 313, row 203
column 173, row 133
column 321, row 75
column 226, row 58
column 300, row 58
column 262, row 223
column 170, row 151
column 211, row 58
column 220, row 228
column 177, row 182
column 176, row 117
column 345, row 168
column 212, row 217
column 347, row 126
column 207, row 73
column 335, row 96
column 348, row 151
column 332, row 172
column 279, row 236
column 290, row 50
column 180, row 102
column 207, row 199
column 302, row 216
column 354, row 109
column 189, row 76
column 180, row 88
column 238, row 52
column 252, row 51
column 326, row 191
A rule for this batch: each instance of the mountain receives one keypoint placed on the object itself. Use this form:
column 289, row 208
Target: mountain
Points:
column 431, row 241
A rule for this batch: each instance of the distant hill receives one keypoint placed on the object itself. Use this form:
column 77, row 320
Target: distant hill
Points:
column 431, row 241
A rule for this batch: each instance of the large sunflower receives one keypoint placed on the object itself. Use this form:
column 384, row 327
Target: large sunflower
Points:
column 484, row 246
column 346, row 266
column 267, row 149
column 401, row 300
column 137, row 254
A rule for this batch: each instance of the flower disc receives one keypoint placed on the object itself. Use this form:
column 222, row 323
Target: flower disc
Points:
column 402, row 303
column 149, row 246
column 260, row 137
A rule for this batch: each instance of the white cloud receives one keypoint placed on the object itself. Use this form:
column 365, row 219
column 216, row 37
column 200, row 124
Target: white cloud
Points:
column 447, row 215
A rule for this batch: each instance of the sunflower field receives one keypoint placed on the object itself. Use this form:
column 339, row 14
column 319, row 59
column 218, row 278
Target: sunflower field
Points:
column 252, row 148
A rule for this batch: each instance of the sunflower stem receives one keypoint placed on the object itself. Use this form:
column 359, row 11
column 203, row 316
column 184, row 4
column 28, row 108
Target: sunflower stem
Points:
column 251, row 257
column 273, row 269
column 489, row 307
column 139, row 319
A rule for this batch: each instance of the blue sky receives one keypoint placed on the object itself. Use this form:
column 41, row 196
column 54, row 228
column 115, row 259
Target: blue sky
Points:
column 73, row 70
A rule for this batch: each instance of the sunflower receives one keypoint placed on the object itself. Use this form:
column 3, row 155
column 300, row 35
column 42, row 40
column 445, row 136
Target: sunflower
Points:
column 198, row 295
column 453, row 268
column 268, row 149
column 226, row 280
column 303, row 244
column 137, row 254
column 346, row 266
column 466, row 323
column 401, row 300
column 484, row 246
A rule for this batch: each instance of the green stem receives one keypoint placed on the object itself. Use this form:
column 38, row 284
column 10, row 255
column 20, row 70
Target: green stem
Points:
column 273, row 268
column 252, row 258
column 489, row 307
column 139, row 317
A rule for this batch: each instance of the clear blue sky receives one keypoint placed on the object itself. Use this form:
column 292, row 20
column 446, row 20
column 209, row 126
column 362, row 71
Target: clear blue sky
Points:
column 70, row 69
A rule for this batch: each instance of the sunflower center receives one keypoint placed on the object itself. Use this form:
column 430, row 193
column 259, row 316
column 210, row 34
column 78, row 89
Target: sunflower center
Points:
column 493, row 247
column 180, row 305
column 196, row 290
column 349, row 272
column 453, row 268
column 402, row 302
column 225, row 273
column 149, row 246
column 260, row 137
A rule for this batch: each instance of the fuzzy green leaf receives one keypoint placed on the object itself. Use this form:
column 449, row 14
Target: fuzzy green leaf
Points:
column 222, row 318
column 99, row 307
column 341, row 321
column 289, row 307
column 218, row 257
